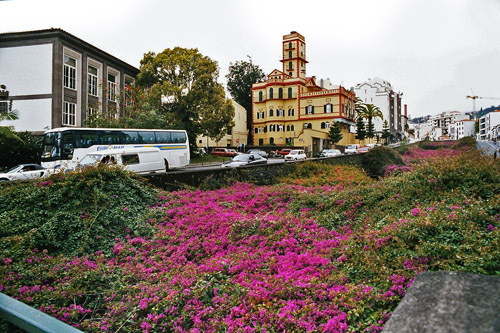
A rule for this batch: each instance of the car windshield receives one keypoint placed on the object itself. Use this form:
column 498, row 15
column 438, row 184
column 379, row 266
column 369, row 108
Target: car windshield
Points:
column 351, row 146
column 90, row 160
column 294, row 152
column 241, row 158
column 15, row 169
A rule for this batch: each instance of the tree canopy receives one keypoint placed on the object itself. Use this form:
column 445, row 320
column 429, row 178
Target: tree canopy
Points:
column 181, row 84
column 360, row 128
column 242, row 75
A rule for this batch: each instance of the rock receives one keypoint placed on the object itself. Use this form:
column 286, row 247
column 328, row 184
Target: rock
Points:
column 449, row 302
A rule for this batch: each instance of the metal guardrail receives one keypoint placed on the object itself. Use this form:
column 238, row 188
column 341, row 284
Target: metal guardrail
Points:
column 29, row 319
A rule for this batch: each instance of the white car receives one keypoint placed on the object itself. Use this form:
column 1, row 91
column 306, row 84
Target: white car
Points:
column 244, row 159
column 351, row 149
column 296, row 155
column 24, row 172
column 330, row 153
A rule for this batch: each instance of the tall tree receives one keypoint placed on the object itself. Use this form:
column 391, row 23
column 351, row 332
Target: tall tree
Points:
column 180, row 86
column 335, row 134
column 360, row 129
column 369, row 112
column 242, row 75
column 386, row 133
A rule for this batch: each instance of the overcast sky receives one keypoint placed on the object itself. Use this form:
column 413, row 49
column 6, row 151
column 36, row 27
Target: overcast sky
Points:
column 434, row 51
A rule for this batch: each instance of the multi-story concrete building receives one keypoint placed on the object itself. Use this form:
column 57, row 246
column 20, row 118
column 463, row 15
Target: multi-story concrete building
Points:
column 55, row 79
column 380, row 93
column 488, row 126
column 461, row 129
column 235, row 137
column 290, row 108
column 437, row 127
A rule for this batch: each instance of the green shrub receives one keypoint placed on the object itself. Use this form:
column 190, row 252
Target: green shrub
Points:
column 74, row 213
column 376, row 161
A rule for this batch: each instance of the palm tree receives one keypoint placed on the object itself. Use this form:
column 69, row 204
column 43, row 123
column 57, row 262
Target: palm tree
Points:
column 369, row 112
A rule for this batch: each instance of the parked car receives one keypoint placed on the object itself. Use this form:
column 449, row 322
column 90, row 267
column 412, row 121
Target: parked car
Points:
column 351, row 149
column 330, row 153
column 362, row 150
column 244, row 159
column 285, row 151
column 257, row 152
column 24, row 172
column 296, row 155
column 145, row 160
column 225, row 152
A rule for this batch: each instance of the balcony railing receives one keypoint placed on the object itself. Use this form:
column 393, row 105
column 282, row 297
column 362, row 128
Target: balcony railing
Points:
column 29, row 319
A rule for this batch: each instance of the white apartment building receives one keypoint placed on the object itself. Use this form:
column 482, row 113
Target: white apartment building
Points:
column 438, row 126
column 488, row 126
column 461, row 129
column 380, row 93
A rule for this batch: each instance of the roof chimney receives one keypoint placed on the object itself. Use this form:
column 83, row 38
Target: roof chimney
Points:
column 406, row 111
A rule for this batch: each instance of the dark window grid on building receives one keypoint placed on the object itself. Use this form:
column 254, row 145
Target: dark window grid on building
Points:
column 309, row 109
column 69, row 114
column 92, row 81
column 69, row 72
column 111, row 87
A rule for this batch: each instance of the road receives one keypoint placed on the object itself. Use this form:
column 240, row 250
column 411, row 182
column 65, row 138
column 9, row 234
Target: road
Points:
column 488, row 147
column 216, row 165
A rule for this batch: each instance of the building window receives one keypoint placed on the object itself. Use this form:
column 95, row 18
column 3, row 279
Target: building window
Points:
column 291, row 112
column 290, row 45
column 271, row 113
column 288, row 128
column 92, row 80
column 281, row 128
column 280, row 113
column 69, row 72
column 4, row 107
column 323, row 125
column 271, row 128
column 280, row 93
column 290, row 55
column 292, row 128
column 309, row 109
column 271, row 93
column 328, row 108
column 327, row 125
column 111, row 87
column 291, row 74
column 289, row 92
column 290, row 66
column 69, row 114
column 271, row 141
column 307, row 125
column 260, row 96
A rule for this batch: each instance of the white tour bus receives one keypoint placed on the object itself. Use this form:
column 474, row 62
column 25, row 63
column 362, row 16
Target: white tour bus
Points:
column 64, row 147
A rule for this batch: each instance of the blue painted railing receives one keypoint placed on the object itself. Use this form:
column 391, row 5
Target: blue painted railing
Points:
column 29, row 319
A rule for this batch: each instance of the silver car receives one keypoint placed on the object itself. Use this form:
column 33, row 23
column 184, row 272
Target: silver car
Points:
column 244, row 159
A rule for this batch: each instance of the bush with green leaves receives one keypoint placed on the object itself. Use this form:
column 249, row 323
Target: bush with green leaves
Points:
column 73, row 213
column 376, row 161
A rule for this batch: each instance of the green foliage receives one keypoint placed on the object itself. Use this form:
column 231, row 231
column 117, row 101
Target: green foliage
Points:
column 17, row 148
column 376, row 161
column 369, row 112
column 335, row 134
column 242, row 75
column 74, row 213
column 181, row 84
column 386, row 134
column 360, row 129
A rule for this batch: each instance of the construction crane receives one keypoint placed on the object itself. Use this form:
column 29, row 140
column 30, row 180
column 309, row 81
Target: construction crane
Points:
column 474, row 97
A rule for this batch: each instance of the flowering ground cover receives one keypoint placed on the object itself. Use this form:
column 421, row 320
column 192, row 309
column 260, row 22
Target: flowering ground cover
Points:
column 325, row 250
